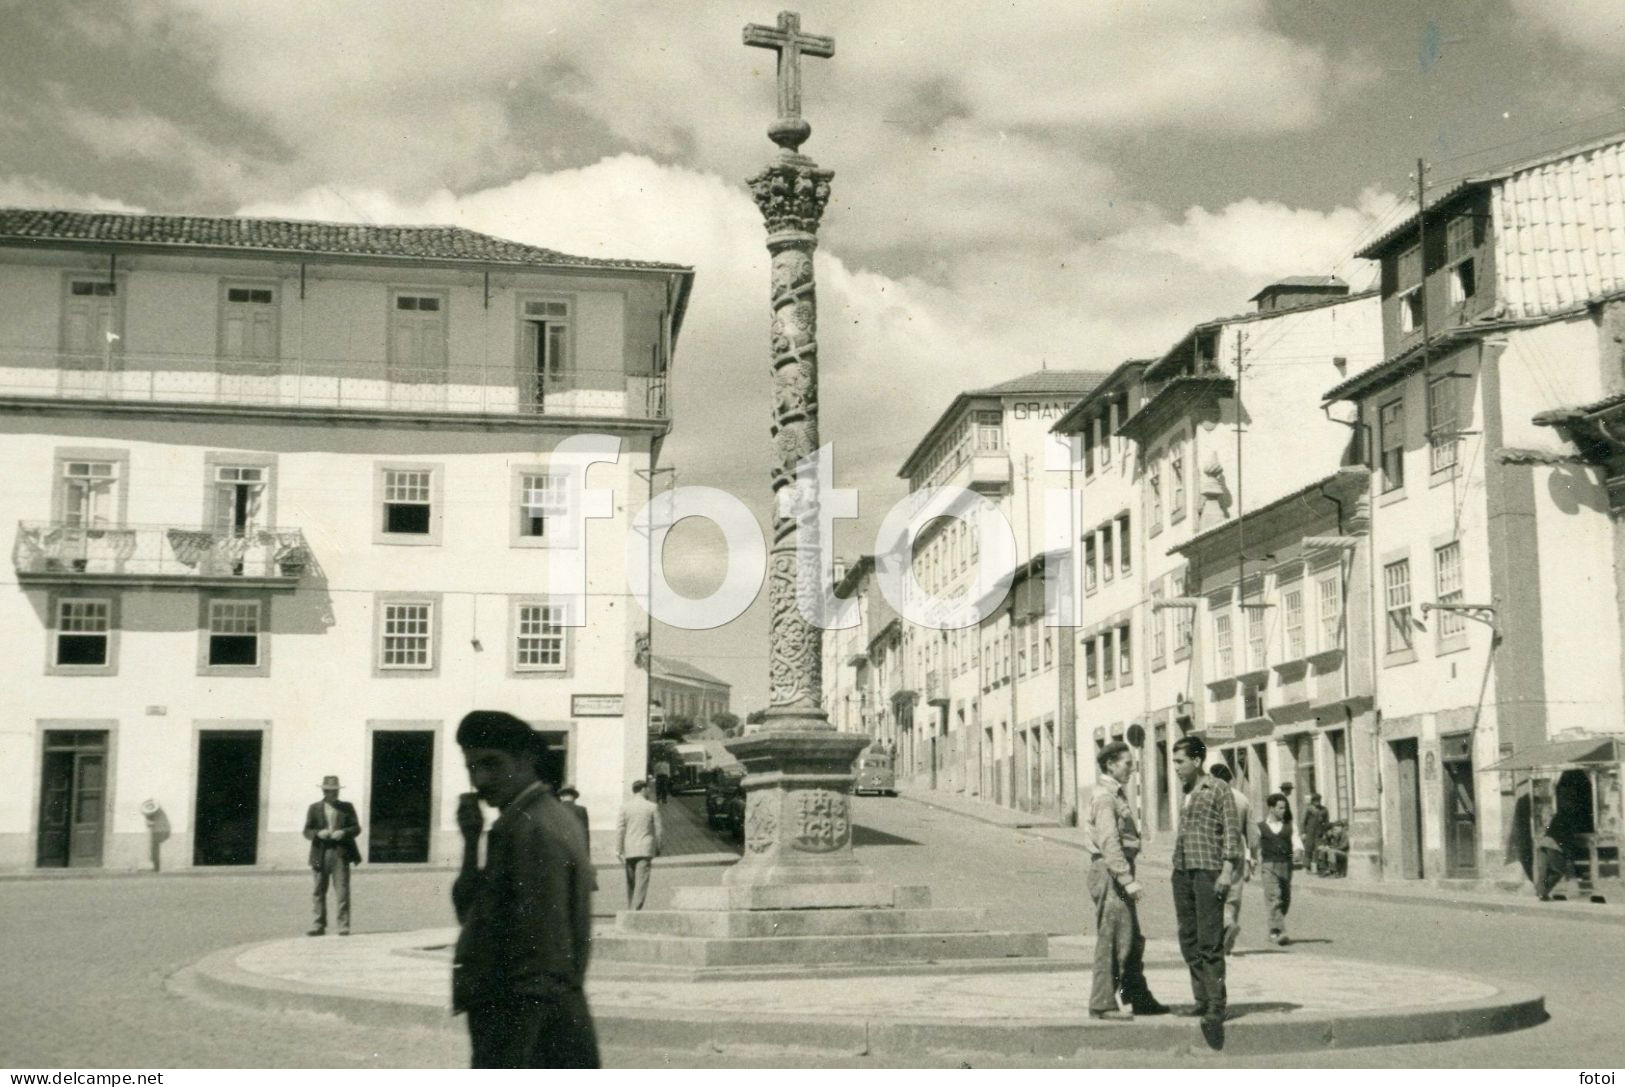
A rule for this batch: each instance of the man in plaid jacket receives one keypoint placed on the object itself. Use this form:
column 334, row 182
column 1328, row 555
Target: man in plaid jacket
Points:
column 1207, row 860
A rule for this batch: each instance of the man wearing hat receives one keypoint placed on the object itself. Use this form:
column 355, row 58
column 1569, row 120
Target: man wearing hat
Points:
column 522, row 955
column 332, row 827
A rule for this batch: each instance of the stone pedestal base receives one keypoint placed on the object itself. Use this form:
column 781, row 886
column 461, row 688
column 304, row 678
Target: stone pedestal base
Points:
column 798, row 821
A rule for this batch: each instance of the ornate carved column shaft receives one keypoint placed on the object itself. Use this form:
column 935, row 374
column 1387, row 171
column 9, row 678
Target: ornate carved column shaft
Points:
column 798, row 828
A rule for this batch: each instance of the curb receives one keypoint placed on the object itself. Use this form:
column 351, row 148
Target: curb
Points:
column 1034, row 822
column 46, row 875
column 1552, row 911
column 216, row 977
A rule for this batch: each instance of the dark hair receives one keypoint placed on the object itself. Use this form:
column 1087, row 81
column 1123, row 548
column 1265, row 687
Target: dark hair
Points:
column 1220, row 771
column 638, row 785
column 1111, row 753
column 1192, row 746
column 498, row 731
column 1269, row 801
column 1314, row 798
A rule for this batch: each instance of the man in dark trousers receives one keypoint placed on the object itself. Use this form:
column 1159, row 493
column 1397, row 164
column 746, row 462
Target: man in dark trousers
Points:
column 521, row 958
column 1206, row 861
column 332, row 827
column 1314, row 824
column 1114, row 843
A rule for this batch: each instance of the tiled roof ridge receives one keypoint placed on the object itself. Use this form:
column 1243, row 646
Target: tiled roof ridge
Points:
column 435, row 241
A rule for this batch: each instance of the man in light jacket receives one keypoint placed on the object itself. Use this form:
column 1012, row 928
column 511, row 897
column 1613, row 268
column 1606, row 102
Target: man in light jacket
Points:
column 638, row 834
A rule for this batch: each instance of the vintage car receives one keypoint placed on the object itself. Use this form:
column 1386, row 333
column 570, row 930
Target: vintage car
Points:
column 873, row 774
column 725, row 802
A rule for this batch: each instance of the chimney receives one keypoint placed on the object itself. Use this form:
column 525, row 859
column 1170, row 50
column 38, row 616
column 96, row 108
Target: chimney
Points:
column 1295, row 291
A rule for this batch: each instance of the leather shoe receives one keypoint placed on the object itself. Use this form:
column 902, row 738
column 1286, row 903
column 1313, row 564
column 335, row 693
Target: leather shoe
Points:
column 344, row 932
column 1149, row 1007
column 317, row 932
column 1115, row 1015
column 1213, row 1031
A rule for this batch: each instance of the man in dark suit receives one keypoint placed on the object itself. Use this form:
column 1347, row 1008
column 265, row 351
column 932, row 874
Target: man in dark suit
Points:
column 521, row 958
column 332, row 827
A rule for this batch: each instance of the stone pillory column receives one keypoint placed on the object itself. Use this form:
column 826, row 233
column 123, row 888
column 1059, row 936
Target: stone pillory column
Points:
column 798, row 828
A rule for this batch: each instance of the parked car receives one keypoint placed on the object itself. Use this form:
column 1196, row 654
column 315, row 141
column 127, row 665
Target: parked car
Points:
column 725, row 802
column 873, row 774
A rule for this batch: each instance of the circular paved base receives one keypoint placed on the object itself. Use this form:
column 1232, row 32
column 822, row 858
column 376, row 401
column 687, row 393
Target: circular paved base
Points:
column 1279, row 1002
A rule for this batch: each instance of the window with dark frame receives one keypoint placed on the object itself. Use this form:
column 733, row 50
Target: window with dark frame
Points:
column 408, row 508
column 234, row 633
column 83, row 632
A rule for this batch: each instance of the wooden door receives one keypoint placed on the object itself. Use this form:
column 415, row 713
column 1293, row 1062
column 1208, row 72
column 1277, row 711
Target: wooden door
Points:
column 1460, row 819
column 1409, row 799
column 73, row 794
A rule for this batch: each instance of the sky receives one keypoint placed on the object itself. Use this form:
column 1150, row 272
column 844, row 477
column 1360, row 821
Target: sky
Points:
column 1018, row 185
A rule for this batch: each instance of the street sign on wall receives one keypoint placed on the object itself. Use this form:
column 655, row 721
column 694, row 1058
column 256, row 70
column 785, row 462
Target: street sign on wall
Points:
column 597, row 705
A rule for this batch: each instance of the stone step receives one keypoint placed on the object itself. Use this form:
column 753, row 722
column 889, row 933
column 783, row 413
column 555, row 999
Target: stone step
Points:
column 811, row 896
column 825, row 950
column 722, row 924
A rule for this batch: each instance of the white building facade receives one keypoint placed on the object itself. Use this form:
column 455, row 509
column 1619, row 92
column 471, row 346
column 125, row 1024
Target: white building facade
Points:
column 287, row 500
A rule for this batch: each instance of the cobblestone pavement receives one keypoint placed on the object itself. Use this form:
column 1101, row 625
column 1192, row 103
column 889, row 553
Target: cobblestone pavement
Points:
column 85, row 959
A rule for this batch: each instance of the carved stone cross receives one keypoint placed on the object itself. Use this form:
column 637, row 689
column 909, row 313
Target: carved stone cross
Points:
column 790, row 43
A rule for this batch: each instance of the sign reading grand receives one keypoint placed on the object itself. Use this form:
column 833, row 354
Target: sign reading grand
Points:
column 597, row 705
column 1038, row 409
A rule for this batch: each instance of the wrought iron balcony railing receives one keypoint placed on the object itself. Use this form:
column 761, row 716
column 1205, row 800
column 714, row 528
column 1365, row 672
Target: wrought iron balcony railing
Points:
column 59, row 552
column 332, row 384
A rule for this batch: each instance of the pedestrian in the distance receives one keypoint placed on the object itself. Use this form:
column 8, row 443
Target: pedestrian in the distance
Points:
column 1114, row 843
column 332, row 827
column 638, row 838
column 522, row 955
column 662, row 780
column 1206, row 861
column 1249, row 841
column 1315, row 818
column 1275, row 866
column 568, row 795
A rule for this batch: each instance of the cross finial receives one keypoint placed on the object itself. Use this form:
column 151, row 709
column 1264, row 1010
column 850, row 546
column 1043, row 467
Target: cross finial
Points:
column 789, row 131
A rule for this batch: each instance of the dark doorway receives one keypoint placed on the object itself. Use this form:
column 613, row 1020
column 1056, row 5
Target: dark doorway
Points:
column 554, row 766
column 1161, row 772
column 227, row 820
column 1409, row 798
column 1460, row 806
column 400, row 797
column 73, row 794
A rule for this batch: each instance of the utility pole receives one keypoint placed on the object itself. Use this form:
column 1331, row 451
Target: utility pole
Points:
column 1241, row 527
column 648, row 476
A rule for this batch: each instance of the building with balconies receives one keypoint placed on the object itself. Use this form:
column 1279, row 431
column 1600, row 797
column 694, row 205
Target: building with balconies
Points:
column 287, row 499
column 971, row 731
column 1225, row 421
column 1496, row 510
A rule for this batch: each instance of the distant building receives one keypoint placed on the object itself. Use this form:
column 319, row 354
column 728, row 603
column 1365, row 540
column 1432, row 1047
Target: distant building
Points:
column 956, row 725
column 680, row 689
column 282, row 497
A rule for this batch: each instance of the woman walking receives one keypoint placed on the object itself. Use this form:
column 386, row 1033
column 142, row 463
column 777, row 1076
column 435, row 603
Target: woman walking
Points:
column 1275, row 864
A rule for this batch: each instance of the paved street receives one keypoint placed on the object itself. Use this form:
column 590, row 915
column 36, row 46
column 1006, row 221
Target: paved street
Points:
column 86, row 957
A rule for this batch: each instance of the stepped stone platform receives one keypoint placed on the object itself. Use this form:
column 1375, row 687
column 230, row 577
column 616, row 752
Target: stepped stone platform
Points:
column 1281, row 1002
column 719, row 931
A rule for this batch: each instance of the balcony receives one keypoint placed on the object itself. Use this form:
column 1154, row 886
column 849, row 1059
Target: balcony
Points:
column 989, row 473
column 332, row 385
column 936, row 687
column 53, row 553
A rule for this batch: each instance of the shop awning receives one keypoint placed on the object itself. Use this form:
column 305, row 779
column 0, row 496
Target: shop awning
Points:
column 1561, row 754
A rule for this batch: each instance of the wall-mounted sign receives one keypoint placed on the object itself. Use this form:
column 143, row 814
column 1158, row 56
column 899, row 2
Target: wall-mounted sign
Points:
column 597, row 705
column 1039, row 409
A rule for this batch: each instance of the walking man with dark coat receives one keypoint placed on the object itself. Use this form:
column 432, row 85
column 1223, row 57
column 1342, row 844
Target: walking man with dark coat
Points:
column 332, row 827
column 1114, row 843
column 1315, row 818
column 1206, row 860
column 521, row 958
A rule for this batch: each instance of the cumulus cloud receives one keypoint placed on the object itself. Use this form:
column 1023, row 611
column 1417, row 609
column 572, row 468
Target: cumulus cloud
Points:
column 1595, row 26
column 24, row 191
